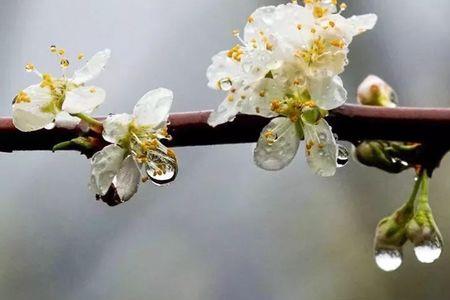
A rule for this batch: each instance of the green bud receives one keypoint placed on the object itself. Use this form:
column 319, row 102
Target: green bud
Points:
column 390, row 237
column 423, row 231
column 381, row 155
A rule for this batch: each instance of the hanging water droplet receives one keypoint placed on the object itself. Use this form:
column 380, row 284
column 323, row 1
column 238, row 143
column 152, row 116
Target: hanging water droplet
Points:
column 342, row 156
column 163, row 176
column 428, row 251
column 388, row 259
column 225, row 84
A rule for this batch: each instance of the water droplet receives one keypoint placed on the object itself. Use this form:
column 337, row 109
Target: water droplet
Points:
column 247, row 66
column 393, row 97
column 428, row 251
column 322, row 137
column 225, row 84
column 161, row 168
column 164, row 176
column 343, row 156
column 388, row 259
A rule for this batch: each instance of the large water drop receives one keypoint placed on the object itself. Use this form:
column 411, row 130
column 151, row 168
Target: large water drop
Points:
column 343, row 156
column 428, row 251
column 388, row 259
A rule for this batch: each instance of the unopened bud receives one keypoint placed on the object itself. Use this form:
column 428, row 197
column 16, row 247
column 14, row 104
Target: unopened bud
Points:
column 374, row 91
column 427, row 240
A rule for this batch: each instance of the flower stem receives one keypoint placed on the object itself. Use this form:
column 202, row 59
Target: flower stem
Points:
column 62, row 146
column 88, row 119
column 418, row 182
column 94, row 124
column 423, row 204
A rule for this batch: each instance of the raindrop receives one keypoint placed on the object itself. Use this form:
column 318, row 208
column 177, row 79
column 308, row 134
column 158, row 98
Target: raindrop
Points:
column 322, row 137
column 393, row 97
column 428, row 251
column 164, row 177
column 388, row 259
column 225, row 84
column 342, row 156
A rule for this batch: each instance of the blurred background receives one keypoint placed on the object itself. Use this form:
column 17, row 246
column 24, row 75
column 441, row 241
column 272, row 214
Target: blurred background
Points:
column 224, row 229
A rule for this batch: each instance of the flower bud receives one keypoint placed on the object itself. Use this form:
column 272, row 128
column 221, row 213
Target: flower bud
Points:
column 422, row 231
column 374, row 91
column 375, row 154
column 390, row 236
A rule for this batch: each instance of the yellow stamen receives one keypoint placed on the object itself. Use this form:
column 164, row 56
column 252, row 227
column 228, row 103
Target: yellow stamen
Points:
column 22, row 97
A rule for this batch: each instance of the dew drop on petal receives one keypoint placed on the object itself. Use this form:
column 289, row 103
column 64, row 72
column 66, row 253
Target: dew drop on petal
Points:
column 343, row 156
column 428, row 251
column 225, row 84
column 388, row 259
column 247, row 66
column 322, row 137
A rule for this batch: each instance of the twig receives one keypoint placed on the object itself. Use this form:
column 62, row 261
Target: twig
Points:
column 350, row 122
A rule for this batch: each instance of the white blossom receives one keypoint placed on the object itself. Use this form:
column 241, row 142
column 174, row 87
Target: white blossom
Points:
column 136, row 152
column 287, row 66
column 56, row 101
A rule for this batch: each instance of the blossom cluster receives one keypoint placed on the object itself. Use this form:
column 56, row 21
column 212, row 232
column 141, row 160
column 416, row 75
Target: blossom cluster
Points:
column 286, row 67
column 135, row 153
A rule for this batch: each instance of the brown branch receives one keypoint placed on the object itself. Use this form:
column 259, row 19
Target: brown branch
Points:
column 350, row 122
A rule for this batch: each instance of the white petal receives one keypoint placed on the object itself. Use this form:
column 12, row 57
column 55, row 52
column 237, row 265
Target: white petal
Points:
column 28, row 116
column 277, row 145
column 328, row 93
column 153, row 108
column 83, row 99
column 65, row 120
column 260, row 101
column 321, row 148
column 92, row 68
column 223, row 72
column 116, row 127
column 127, row 180
column 363, row 23
column 226, row 112
column 105, row 164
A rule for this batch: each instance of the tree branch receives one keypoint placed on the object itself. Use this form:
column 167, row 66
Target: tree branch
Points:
column 350, row 122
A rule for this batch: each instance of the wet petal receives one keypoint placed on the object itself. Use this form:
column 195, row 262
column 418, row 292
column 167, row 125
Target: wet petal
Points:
column 65, row 120
column 127, row 180
column 83, row 99
column 105, row 165
column 116, row 127
column 28, row 115
column 259, row 102
column 153, row 108
column 92, row 68
column 328, row 93
column 226, row 112
column 223, row 72
column 277, row 145
column 363, row 23
column 321, row 148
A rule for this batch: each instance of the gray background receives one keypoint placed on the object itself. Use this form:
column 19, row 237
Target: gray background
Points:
column 224, row 229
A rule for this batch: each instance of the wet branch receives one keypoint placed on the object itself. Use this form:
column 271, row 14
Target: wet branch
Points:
column 352, row 123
